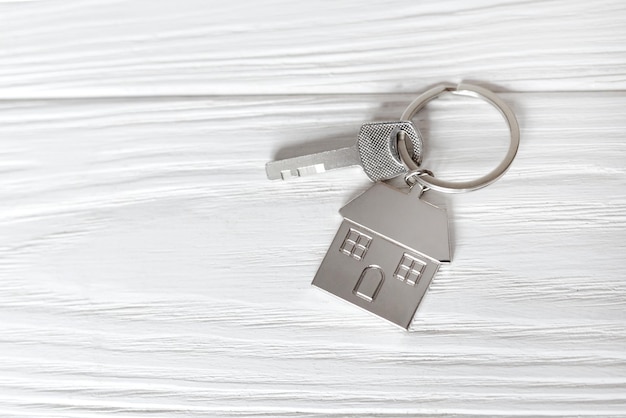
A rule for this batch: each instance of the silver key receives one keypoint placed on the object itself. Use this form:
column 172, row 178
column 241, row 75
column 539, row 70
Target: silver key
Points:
column 375, row 151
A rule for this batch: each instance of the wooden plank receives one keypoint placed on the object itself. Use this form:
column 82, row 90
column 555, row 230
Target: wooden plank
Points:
column 75, row 48
column 148, row 268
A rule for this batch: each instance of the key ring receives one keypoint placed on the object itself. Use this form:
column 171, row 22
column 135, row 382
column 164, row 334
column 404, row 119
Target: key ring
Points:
column 429, row 181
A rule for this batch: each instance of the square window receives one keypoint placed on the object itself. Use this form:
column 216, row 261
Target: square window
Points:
column 409, row 269
column 355, row 244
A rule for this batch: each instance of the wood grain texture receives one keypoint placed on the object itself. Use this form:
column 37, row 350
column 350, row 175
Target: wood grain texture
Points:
column 148, row 268
column 87, row 48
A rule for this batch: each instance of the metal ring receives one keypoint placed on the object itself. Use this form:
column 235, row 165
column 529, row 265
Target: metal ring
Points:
column 464, row 90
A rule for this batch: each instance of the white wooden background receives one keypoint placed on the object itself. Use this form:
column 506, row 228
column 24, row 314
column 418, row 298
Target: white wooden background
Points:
column 148, row 268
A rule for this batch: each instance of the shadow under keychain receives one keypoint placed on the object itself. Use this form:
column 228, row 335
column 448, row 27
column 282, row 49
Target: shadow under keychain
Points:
column 391, row 242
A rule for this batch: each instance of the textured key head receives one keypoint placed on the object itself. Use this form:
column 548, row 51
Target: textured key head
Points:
column 378, row 149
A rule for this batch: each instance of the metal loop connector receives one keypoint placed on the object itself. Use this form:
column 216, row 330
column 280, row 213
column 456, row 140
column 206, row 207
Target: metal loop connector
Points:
column 411, row 177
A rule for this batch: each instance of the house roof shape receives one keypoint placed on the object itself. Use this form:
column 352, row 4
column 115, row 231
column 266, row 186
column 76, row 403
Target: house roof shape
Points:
column 403, row 218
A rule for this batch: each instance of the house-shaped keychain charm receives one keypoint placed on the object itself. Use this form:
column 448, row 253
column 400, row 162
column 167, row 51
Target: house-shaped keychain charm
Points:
column 386, row 252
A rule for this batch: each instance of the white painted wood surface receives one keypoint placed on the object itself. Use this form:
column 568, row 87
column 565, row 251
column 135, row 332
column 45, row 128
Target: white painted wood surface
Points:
column 147, row 268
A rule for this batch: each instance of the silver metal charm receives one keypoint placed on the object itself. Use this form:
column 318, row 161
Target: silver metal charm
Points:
column 375, row 150
column 386, row 252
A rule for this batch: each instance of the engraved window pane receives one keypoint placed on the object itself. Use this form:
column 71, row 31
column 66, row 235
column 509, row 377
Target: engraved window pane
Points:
column 347, row 247
column 364, row 241
column 352, row 236
column 413, row 277
column 401, row 272
column 418, row 266
column 359, row 252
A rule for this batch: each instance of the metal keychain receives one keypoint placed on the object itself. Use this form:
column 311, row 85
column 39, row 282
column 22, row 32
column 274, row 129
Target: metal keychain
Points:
column 391, row 243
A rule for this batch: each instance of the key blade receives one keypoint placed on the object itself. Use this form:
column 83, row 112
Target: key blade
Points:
column 312, row 164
